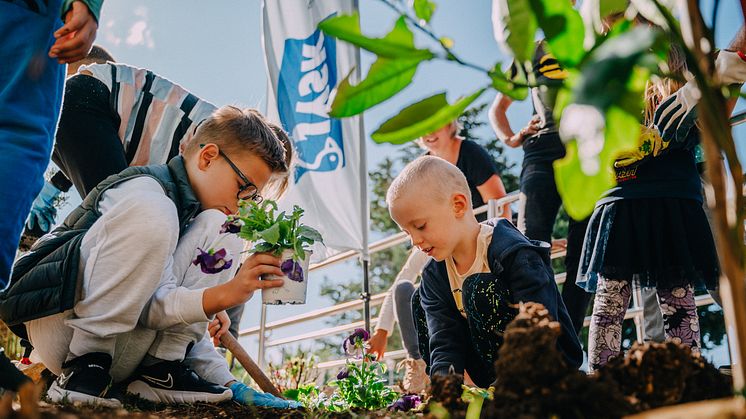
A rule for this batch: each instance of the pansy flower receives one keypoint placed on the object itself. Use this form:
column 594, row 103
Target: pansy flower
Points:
column 211, row 261
column 231, row 225
column 356, row 340
column 406, row 403
column 343, row 374
column 293, row 270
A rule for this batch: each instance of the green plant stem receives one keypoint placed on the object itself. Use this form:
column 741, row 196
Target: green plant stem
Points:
column 449, row 55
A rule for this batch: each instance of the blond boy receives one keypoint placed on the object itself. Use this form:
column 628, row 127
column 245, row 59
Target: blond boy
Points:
column 113, row 294
column 478, row 272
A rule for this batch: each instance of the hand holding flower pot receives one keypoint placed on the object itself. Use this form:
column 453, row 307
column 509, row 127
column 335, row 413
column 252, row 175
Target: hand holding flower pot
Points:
column 282, row 235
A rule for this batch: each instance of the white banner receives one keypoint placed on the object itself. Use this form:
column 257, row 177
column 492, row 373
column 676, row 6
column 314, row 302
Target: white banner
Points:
column 304, row 66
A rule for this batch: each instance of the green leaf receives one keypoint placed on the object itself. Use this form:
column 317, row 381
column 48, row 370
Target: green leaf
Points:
column 563, row 28
column 506, row 86
column 264, row 247
column 422, row 118
column 396, row 44
column 579, row 190
column 311, row 233
column 515, row 26
column 291, row 393
column 271, row 235
column 424, row 9
column 385, row 78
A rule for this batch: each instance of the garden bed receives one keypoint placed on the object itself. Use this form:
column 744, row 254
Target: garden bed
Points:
column 533, row 381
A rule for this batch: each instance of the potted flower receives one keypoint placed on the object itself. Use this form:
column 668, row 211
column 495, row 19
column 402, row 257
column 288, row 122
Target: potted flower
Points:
column 281, row 234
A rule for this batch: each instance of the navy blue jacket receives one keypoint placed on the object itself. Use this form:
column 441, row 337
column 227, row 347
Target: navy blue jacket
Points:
column 524, row 268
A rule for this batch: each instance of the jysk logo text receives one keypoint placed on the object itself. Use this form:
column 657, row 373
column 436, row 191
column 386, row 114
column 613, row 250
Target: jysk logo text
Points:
column 307, row 76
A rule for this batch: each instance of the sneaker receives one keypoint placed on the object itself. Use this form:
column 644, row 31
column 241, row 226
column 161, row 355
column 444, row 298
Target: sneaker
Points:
column 416, row 379
column 174, row 382
column 85, row 379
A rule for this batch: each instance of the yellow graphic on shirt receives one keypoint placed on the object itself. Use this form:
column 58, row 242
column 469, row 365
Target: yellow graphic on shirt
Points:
column 550, row 68
column 650, row 144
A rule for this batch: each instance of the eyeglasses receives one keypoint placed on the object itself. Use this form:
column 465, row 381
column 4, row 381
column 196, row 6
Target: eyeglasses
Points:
column 247, row 191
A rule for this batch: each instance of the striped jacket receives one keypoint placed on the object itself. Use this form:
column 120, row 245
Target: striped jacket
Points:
column 156, row 114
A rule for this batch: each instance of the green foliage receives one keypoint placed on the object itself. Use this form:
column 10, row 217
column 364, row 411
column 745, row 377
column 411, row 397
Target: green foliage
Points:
column 396, row 44
column 614, row 65
column 274, row 233
column 424, row 9
column 364, row 387
column 513, row 88
column 296, row 371
column 517, row 27
column 563, row 29
column 422, row 118
column 386, row 77
column 475, row 397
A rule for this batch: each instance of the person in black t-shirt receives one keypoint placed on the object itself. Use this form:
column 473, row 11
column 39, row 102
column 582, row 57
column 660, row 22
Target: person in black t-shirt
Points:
column 539, row 201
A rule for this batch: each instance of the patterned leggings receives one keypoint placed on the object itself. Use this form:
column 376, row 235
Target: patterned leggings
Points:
column 677, row 305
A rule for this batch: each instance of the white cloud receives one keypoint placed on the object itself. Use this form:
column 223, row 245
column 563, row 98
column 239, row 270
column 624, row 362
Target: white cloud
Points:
column 139, row 34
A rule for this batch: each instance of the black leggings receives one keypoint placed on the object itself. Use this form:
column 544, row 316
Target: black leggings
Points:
column 488, row 312
column 88, row 148
column 542, row 203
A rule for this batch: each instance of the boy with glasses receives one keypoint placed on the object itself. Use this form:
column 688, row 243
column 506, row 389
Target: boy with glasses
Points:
column 115, row 294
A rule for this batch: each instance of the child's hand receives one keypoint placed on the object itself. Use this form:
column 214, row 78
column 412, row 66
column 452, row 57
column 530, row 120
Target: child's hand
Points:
column 75, row 38
column 249, row 277
column 247, row 280
column 377, row 343
column 219, row 326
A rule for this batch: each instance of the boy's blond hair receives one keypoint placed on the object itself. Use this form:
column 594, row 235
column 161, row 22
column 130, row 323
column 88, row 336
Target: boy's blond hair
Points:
column 431, row 176
column 236, row 130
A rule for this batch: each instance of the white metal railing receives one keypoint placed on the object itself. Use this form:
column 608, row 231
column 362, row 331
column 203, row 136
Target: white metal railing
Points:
column 493, row 208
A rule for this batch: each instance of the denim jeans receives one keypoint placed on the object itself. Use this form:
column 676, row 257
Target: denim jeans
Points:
column 538, row 208
column 30, row 97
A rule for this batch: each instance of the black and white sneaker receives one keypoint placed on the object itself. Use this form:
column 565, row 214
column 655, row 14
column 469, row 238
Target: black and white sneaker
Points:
column 174, row 382
column 85, row 379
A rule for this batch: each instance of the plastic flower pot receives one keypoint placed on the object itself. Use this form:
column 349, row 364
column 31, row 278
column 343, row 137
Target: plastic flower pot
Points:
column 293, row 290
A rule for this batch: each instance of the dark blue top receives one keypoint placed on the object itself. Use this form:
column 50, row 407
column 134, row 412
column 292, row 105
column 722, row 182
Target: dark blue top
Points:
column 672, row 174
column 525, row 270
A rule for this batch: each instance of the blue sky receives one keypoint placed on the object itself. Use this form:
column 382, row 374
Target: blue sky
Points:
column 214, row 49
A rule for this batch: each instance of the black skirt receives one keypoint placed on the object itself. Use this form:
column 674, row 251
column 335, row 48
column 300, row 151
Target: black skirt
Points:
column 658, row 242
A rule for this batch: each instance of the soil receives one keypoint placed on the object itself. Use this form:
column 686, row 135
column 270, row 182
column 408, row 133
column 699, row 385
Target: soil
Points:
column 534, row 381
column 447, row 390
column 142, row 410
column 662, row 374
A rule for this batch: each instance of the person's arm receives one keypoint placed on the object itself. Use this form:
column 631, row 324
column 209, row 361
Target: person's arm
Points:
column 501, row 125
column 409, row 272
column 444, row 323
column 493, row 188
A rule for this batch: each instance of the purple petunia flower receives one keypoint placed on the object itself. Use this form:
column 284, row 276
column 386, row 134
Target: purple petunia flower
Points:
column 356, row 339
column 343, row 374
column 231, row 225
column 293, row 270
column 406, row 403
column 211, row 261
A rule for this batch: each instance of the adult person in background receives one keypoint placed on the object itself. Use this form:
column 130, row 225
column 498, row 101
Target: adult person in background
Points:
column 484, row 182
column 539, row 200
column 39, row 38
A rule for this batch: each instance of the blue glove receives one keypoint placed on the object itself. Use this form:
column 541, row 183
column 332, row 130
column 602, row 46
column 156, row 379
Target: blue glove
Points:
column 43, row 211
column 248, row 396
